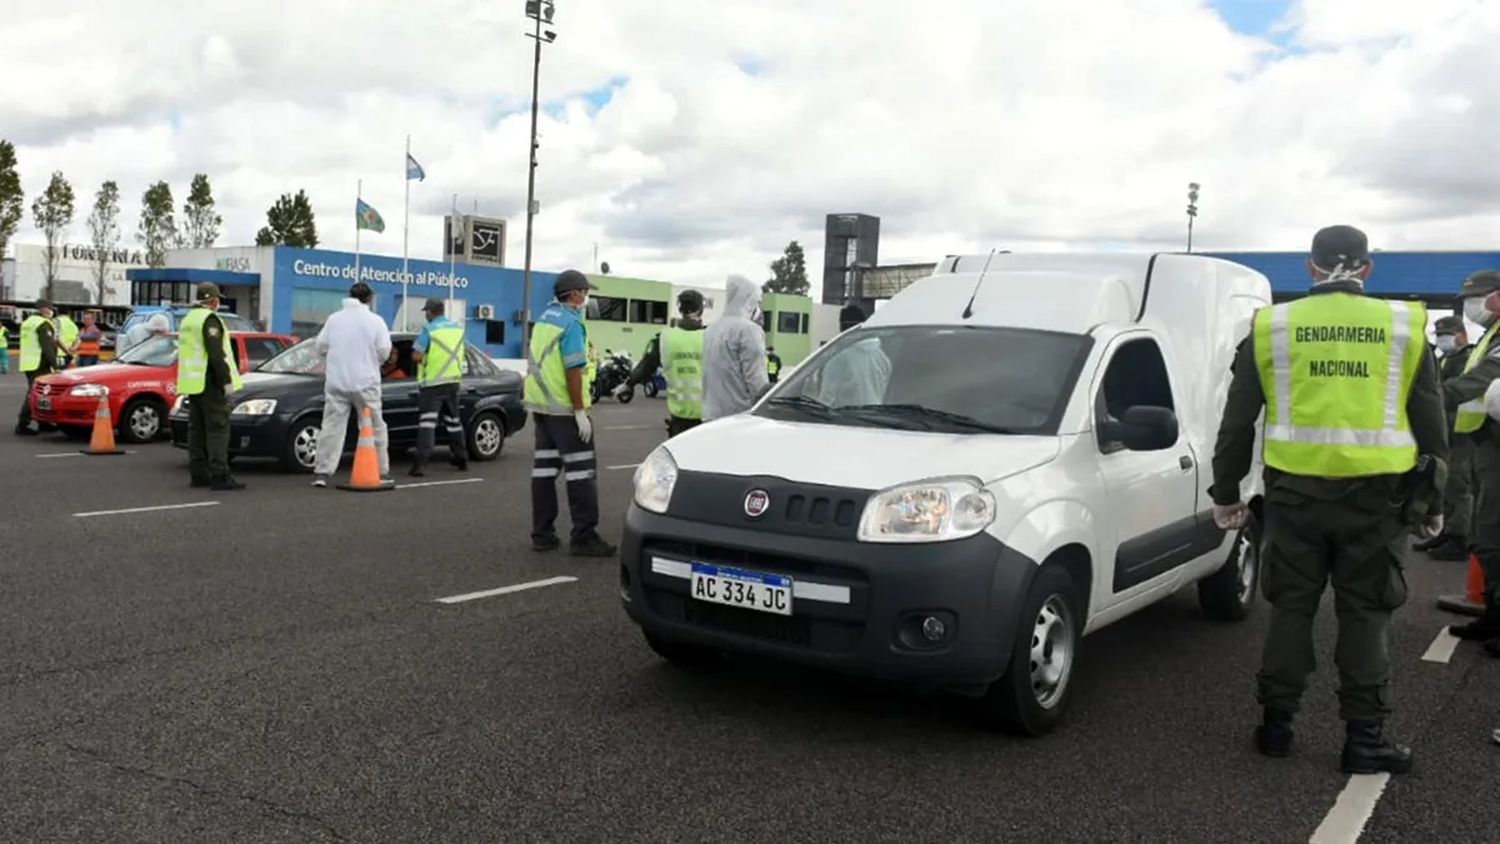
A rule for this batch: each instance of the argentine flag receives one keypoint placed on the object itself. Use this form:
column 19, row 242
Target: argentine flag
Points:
column 414, row 170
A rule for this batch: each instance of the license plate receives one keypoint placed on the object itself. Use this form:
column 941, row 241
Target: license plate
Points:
column 43, row 403
column 751, row 590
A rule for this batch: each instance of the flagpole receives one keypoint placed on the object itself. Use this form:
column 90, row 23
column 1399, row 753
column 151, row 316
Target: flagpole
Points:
column 405, row 232
column 453, row 254
column 359, row 194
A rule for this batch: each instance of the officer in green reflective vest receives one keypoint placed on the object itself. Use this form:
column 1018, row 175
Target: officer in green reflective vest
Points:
column 67, row 339
column 441, row 366
column 1466, row 394
column 1352, row 407
column 773, row 365
column 38, row 358
column 556, row 394
column 206, row 372
column 678, row 353
column 1458, row 499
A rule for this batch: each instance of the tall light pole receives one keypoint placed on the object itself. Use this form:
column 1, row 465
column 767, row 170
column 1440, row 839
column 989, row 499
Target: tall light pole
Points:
column 539, row 11
column 1192, row 211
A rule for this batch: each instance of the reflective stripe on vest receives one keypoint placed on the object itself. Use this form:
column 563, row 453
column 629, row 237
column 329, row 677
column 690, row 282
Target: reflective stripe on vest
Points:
column 31, row 345
column 1337, row 370
column 1471, row 414
column 192, row 355
column 681, row 353
column 443, row 361
column 546, row 389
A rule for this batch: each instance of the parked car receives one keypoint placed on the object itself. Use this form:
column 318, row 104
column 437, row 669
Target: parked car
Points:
column 278, row 413
column 141, row 385
column 998, row 462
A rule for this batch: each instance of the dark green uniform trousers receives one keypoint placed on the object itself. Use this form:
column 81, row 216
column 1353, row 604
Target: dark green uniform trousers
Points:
column 1462, row 492
column 208, row 434
column 1485, row 533
column 1355, row 542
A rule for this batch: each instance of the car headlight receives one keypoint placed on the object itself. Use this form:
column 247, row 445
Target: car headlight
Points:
column 935, row 510
column 254, row 407
column 654, row 480
column 92, row 391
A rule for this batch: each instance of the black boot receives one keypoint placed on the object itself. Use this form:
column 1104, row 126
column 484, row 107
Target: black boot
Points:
column 1481, row 629
column 1451, row 550
column 1273, row 737
column 1368, row 751
column 1429, row 544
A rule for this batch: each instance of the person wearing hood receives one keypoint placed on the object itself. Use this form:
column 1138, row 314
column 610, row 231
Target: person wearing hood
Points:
column 859, row 373
column 678, row 352
column 355, row 342
column 734, row 353
column 1354, row 421
column 1466, row 395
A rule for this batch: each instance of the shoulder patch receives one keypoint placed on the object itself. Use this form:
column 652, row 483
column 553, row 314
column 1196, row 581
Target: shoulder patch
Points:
column 212, row 331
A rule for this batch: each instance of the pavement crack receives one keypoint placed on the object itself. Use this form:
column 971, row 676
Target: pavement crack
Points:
column 262, row 802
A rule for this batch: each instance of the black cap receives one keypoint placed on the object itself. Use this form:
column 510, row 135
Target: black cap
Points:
column 1448, row 325
column 43, row 303
column 570, row 280
column 1481, row 283
column 690, row 302
column 434, row 305
column 206, row 290
column 1337, row 245
column 361, row 291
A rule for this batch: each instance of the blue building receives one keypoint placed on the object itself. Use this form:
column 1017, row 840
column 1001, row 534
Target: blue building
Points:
column 292, row 290
column 1430, row 276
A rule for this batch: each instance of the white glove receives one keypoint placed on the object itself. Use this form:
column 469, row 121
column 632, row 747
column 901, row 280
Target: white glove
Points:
column 1430, row 528
column 1231, row 516
column 585, row 425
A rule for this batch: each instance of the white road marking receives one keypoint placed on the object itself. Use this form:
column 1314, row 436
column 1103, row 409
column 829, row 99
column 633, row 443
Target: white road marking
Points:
column 1442, row 647
column 1356, row 803
column 627, row 427
column 61, row 454
column 440, row 483
column 146, row 509
column 623, row 466
column 506, row 590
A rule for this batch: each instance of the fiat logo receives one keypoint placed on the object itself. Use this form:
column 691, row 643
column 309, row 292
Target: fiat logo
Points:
column 757, row 503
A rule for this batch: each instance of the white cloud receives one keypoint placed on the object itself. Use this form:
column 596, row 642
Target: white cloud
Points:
column 735, row 126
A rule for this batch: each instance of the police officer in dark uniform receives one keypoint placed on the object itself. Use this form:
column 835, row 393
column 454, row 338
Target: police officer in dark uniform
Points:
column 1458, row 499
column 38, row 357
column 206, row 373
column 1343, row 484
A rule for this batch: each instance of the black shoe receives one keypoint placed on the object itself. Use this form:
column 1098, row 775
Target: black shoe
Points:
column 225, row 484
column 1273, row 737
column 198, row 483
column 1429, row 544
column 416, row 472
column 1453, row 549
column 545, row 543
column 459, row 463
column 593, row 546
column 1481, row 629
column 1368, row 751
column 26, row 431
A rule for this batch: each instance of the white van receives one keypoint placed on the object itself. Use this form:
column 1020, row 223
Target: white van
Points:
column 1012, row 453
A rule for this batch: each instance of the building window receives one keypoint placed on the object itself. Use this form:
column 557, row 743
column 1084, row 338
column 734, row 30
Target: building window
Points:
column 648, row 311
column 787, row 322
column 310, row 306
column 611, row 308
column 765, row 321
column 494, row 332
column 806, row 325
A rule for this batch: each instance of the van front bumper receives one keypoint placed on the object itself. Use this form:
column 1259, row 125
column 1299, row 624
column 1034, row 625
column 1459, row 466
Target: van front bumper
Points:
column 857, row 607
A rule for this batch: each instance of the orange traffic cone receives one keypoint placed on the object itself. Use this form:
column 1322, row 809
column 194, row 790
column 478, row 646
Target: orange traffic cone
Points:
column 365, row 476
column 103, row 440
column 1472, row 601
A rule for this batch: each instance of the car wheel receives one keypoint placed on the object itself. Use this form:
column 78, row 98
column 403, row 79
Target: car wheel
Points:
column 1229, row 593
column 486, row 436
column 141, row 420
column 682, row 654
column 1032, row 696
column 301, row 451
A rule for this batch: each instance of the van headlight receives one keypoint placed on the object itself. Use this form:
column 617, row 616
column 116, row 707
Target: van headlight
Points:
column 654, row 480
column 254, row 407
column 92, row 391
column 935, row 510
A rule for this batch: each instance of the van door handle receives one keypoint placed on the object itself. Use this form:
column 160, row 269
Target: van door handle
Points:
column 1185, row 462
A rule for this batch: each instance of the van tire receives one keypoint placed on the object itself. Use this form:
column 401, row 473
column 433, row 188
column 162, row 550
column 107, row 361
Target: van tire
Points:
column 1229, row 593
column 681, row 654
column 1033, row 695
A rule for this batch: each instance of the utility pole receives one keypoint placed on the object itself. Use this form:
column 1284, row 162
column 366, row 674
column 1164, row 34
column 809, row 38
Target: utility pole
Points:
column 538, row 11
column 1192, row 212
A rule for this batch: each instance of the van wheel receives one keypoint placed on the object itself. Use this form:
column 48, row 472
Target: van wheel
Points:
column 1229, row 593
column 1032, row 696
column 681, row 654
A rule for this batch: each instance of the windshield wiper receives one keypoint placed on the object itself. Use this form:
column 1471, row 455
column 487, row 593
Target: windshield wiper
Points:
column 802, row 403
column 930, row 417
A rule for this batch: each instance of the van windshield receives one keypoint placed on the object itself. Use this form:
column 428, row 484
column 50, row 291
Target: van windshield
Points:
column 953, row 379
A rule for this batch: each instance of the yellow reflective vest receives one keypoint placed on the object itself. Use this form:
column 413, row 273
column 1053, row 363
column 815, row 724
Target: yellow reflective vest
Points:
column 443, row 362
column 681, row 353
column 192, row 354
column 1337, row 370
column 546, row 386
column 31, row 344
column 1471, row 414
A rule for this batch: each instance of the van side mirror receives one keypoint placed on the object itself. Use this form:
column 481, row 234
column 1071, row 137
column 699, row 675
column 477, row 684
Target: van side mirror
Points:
column 1144, row 428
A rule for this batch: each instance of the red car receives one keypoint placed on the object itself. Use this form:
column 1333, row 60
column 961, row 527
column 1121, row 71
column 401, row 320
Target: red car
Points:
column 141, row 384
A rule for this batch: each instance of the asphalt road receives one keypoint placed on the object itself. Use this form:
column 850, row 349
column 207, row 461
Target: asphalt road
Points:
column 275, row 667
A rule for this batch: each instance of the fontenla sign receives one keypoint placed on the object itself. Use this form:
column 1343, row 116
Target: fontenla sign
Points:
column 318, row 269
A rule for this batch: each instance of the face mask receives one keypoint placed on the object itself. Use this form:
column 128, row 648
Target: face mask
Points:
column 1447, row 344
column 1476, row 312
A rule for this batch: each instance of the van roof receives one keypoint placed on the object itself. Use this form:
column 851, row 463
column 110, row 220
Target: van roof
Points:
column 1066, row 292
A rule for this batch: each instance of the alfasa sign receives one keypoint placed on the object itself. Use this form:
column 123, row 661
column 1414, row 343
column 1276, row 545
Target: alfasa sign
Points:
column 319, row 269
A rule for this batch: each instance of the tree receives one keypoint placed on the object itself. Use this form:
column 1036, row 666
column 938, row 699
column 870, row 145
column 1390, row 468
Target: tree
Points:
column 12, row 205
column 104, row 232
column 200, row 221
column 53, row 213
column 289, row 222
column 789, row 272
column 158, row 227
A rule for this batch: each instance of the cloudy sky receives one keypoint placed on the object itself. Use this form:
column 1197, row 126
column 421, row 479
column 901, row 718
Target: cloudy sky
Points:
column 693, row 139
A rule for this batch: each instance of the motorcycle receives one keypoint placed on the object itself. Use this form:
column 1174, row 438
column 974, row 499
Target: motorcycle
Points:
column 656, row 385
column 613, row 372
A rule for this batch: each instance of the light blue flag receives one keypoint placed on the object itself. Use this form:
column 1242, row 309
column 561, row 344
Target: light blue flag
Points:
column 413, row 169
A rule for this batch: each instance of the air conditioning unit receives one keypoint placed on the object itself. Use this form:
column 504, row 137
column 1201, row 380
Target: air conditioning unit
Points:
column 484, row 311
